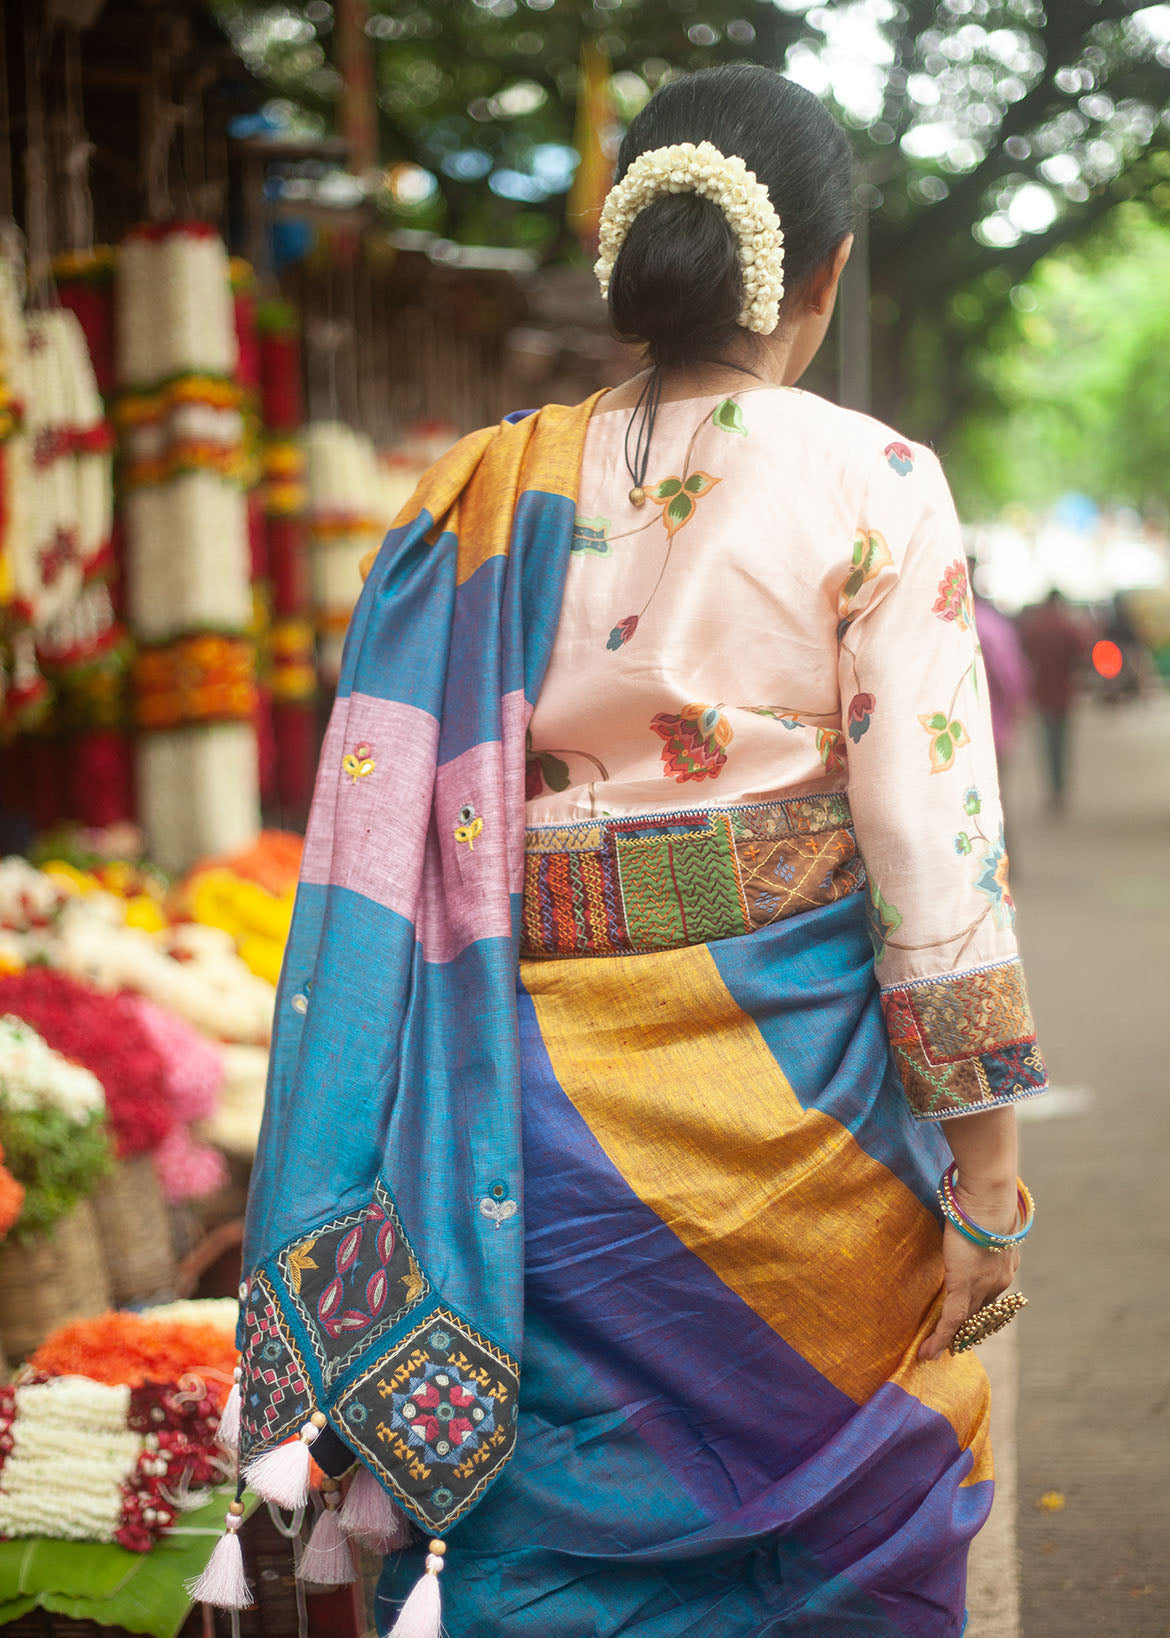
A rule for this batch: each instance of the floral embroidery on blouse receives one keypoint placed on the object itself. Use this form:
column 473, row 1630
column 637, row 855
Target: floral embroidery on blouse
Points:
column 622, row 632
column 728, row 417
column 871, row 554
column 831, row 749
column 591, row 535
column 868, row 640
column 545, row 770
column 954, row 597
column 861, row 709
column 694, row 742
column 678, row 496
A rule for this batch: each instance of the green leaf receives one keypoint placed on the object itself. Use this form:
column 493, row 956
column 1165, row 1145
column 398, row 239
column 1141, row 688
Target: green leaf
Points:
column 698, row 483
column 100, row 1581
column 937, row 721
column 556, row 772
column 728, row 417
column 944, row 749
column 853, row 584
column 680, row 509
column 667, row 488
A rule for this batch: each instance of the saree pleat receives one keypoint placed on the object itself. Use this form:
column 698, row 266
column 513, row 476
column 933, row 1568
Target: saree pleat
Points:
column 730, row 1261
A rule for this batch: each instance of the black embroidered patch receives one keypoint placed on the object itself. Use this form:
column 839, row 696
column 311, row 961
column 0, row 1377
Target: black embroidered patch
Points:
column 435, row 1417
column 352, row 1280
column 274, row 1390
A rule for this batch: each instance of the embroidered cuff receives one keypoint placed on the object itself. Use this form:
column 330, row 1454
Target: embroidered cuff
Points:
column 965, row 1041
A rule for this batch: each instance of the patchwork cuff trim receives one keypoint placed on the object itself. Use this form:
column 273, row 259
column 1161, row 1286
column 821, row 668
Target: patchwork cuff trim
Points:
column 964, row 1041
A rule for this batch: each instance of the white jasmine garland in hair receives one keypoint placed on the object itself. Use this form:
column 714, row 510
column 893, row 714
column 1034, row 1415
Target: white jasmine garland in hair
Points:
column 689, row 167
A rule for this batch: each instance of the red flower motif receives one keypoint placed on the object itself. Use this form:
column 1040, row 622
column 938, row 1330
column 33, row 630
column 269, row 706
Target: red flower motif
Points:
column 954, row 596
column 622, row 632
column 694, row 743
column 901, row 458
column 860, row 709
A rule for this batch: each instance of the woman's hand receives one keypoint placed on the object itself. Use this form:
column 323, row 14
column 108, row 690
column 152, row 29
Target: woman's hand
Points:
column 972, row 1275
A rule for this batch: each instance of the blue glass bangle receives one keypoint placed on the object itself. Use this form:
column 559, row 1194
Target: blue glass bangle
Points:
column 972, row 1231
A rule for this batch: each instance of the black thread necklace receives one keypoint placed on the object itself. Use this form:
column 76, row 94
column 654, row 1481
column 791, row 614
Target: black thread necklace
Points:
column 641, row 426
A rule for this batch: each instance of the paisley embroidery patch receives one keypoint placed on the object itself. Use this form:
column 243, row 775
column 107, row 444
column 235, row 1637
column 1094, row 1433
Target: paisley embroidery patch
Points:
column 352, row 1280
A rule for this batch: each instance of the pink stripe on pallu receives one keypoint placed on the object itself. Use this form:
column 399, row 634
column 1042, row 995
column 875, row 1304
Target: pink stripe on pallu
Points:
column 390, row 834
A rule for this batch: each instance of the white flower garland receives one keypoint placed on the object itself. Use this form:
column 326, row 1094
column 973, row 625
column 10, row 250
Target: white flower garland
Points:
column 34, row 1076
column 688, row 167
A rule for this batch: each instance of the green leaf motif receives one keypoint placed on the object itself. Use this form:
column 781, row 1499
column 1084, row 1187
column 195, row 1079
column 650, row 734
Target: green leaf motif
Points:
column 679, row 509
column 944, row 751
column 728, row 417
column 554, row 771
column 938, row 721
column 591, row 535
column 853, row 584
column 667, row 488
column 698, row 484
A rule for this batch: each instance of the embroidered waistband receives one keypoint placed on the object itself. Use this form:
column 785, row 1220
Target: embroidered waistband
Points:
column 661, row 881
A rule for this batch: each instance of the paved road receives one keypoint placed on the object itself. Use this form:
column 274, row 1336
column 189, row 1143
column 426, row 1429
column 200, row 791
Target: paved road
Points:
column 1093, row 1415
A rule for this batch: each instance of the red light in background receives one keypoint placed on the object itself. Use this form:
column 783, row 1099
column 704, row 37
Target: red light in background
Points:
column 1107, row 661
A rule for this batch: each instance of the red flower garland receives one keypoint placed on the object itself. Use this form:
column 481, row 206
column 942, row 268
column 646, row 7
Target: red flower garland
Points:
column 105, row 1034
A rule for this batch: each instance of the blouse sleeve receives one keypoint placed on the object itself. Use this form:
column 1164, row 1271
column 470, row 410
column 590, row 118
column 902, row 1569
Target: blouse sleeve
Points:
column 925, row 798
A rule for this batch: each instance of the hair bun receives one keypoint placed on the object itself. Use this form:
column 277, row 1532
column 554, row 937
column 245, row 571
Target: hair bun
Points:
column 676, row 284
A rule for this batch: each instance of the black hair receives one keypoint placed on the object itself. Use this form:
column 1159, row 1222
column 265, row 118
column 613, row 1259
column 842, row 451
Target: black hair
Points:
column 676, row 285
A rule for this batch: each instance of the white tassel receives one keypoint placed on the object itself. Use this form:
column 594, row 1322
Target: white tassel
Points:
column 227, row 1433
column 223, row 1583
column 421, row 1615
column 281, row 1476
column 368, row 1513
column 327, row 1560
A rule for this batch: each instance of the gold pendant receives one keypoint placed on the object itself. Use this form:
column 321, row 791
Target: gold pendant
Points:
column 637, row 496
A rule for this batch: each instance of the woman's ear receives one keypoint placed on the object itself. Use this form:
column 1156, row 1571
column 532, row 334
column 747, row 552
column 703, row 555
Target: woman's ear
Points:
column 821, row 291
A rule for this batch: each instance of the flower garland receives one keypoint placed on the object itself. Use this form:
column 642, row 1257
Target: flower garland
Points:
column 94, row 1461
column 11, row 1198
column 346, row 517
column 163, row 1344
column 208, row 678
column 111, row 1427
column 103, row 1033
column 688, row 167
column 65, row 917
column 52, row 1124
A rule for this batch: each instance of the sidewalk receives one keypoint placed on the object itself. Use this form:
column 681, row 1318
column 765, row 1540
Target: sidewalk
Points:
column 1093, row 1418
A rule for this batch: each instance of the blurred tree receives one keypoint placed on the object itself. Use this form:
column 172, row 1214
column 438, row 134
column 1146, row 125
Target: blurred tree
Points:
column 988, row 132
column 1077, row 379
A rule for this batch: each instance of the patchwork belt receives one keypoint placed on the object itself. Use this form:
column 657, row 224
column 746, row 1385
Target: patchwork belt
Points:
column 661, row 881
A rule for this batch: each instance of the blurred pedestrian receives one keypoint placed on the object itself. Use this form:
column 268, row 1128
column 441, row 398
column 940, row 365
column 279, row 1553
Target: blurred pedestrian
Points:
column 1057, row 645
column 708, row 638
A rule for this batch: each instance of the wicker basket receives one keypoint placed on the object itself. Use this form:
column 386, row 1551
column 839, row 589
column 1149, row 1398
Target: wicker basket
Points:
column 135, row 1231
column 58, row 1277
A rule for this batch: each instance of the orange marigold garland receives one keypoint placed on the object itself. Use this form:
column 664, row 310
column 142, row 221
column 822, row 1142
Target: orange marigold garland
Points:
column 133, row 1349
column 11, row 1198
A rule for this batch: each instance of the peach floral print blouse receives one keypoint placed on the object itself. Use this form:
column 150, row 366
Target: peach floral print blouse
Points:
column 788, row 615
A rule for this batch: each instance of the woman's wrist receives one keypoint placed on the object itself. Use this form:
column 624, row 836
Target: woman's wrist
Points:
column 986, row 1152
